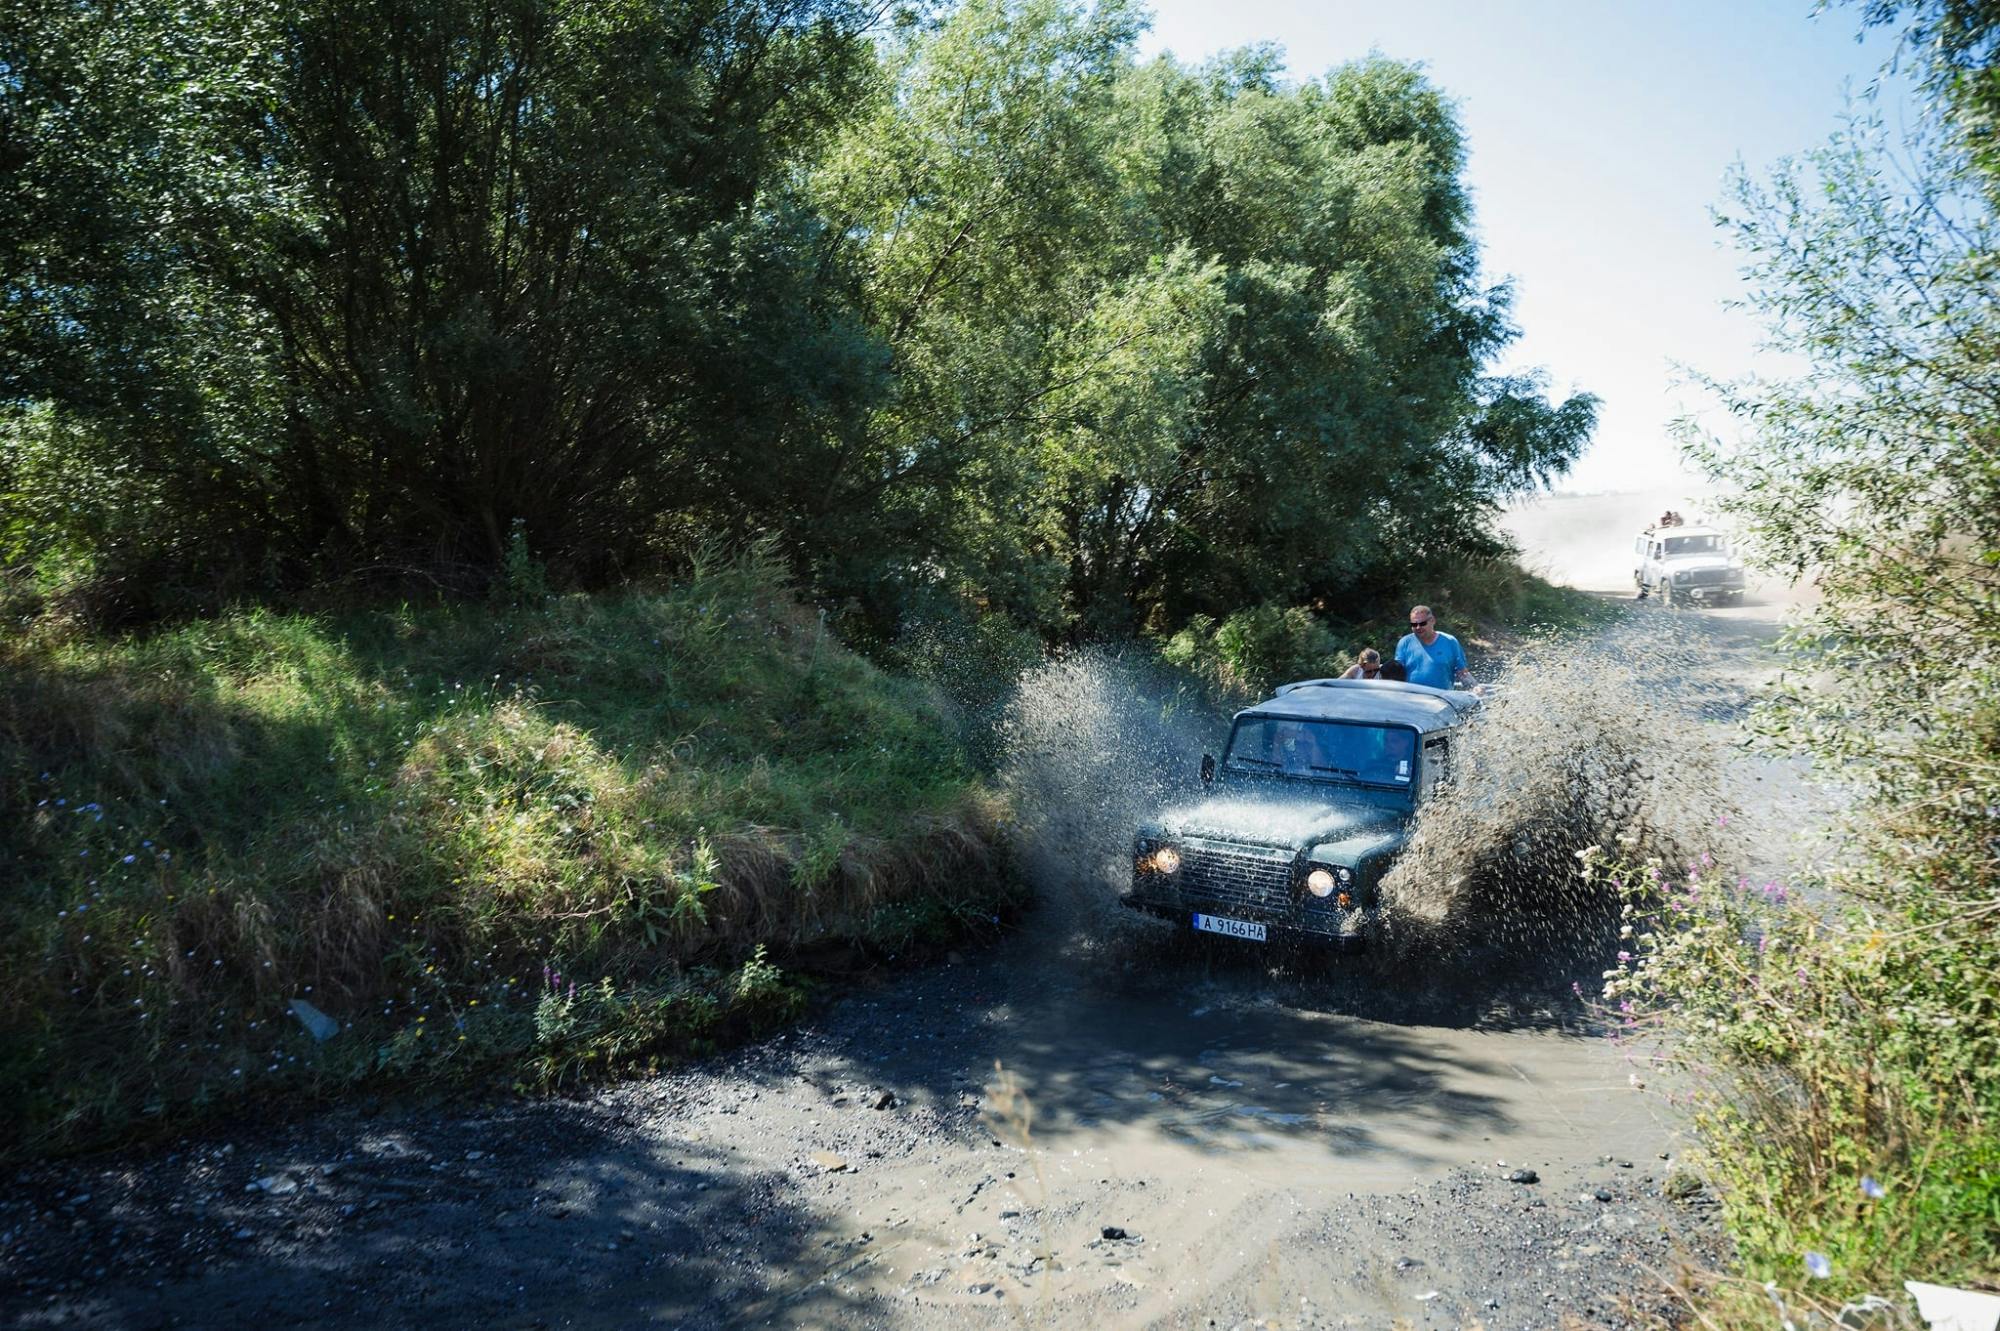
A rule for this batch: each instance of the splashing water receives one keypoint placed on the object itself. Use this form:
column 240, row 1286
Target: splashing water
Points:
column 1602, row 741
column 1095, row 742
column 1585, row 742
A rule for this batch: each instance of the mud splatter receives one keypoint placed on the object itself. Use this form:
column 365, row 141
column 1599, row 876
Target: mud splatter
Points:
column 1583, row 742
column 1093, row 743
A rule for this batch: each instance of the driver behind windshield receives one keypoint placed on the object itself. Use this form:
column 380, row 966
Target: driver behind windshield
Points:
column 1334, row 752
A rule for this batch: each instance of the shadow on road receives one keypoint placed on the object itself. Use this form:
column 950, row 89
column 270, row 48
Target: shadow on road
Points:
column 550, row 1213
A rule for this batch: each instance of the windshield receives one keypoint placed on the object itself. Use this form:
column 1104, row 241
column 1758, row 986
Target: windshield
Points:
column 1694, row 545
column 1323, row 751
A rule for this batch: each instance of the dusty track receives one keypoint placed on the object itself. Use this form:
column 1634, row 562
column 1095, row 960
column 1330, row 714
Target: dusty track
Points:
column 1277, row 1148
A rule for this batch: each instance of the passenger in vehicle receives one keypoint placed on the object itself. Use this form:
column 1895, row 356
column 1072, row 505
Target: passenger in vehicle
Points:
column 1393, row 671
column 1368, row 665
column 1433, row 659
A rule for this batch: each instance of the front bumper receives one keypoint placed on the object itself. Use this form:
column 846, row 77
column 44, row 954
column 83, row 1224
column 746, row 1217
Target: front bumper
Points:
column 1327, row 927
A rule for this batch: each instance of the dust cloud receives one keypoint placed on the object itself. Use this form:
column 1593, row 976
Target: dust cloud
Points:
column 1585, row 540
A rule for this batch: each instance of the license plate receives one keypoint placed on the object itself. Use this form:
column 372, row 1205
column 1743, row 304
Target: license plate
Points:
column 1217, row 924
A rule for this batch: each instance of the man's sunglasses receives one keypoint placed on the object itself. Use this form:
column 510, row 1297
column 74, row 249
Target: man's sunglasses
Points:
column 1419, row 623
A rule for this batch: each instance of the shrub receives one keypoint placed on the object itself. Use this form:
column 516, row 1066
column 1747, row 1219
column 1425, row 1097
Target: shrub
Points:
column 1252, row 650
column 1845, row 1075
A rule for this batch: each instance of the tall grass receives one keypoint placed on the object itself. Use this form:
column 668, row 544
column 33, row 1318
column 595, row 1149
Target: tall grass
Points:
column 1842, row 1061
column 569, row 832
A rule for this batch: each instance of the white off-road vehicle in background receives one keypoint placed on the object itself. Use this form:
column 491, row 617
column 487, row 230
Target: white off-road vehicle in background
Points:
column 1682, row 564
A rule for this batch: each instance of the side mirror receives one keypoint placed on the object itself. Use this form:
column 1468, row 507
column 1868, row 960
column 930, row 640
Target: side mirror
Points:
column 1207, row 768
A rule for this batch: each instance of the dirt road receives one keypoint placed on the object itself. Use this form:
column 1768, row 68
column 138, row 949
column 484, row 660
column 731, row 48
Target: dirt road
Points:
column 1090, row 1124
column 1269, row 1148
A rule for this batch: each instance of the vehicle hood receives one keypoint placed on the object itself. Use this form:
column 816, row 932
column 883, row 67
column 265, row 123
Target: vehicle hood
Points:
column 1290, row 822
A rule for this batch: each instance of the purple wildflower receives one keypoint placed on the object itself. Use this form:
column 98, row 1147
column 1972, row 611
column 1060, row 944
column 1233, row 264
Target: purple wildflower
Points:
column 1817, row 1266
column 1870, row 1189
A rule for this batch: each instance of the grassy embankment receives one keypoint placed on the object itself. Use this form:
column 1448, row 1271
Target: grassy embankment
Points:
column 544, row 840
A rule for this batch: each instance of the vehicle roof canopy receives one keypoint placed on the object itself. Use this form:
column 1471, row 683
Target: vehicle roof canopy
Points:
column 1369, row 701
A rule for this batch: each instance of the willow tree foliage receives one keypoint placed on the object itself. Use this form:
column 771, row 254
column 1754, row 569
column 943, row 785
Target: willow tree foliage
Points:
column 1874, row 473
column 1167, row 339
column 372, row 281
column 961, row 304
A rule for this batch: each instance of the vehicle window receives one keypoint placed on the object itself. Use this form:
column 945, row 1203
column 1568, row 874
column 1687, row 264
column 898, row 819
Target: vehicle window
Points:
column 1694, row 545
column 1322, row 751
column 1437, row 761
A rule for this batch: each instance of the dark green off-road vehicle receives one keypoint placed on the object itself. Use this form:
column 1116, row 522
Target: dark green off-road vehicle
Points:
column 1305, row 813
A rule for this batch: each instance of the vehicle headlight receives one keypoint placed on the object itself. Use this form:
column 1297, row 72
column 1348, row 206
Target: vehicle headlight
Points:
column 1320, row 883
column 1164, row 860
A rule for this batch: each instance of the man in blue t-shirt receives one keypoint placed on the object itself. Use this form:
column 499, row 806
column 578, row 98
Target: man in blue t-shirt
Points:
column 1431, row 657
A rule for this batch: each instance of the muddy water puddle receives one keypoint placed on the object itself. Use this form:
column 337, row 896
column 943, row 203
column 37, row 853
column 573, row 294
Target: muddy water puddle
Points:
column 1292, row 1094
column 1155, row 1145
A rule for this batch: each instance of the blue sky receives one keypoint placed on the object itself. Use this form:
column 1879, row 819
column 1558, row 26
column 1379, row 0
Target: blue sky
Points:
column 1600, row 132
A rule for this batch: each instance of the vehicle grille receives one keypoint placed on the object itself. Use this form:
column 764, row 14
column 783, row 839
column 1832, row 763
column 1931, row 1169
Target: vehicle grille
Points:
column 1260, row 884
column 1705, row 577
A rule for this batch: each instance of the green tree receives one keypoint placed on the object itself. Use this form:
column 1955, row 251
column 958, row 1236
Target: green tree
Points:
column 979, row 194
column 1345, row 427
column 1876, row 471
column 1168, row 341
column 971, row 311
column 368, row 281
